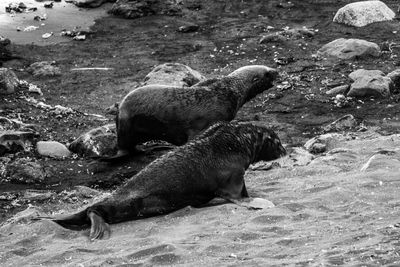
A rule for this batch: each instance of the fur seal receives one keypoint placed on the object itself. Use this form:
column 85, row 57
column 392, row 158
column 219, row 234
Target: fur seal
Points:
column 211, row 165
column 168, row 113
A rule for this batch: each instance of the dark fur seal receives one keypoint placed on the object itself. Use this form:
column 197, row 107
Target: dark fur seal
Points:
column 211, row 165
column 168, row 113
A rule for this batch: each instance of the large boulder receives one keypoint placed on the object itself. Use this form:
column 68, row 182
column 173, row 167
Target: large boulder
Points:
column 91, row 3
column 8, row 81
column 132, row 9
column 98, row 142
column 173, row 74
column 349, row 49
column 369, row 83
column 362, row 13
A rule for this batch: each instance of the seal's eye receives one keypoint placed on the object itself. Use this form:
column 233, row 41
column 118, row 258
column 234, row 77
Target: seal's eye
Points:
column 256, row 79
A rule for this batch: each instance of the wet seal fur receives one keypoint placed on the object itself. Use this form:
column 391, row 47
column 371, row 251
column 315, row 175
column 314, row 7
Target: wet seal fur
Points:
column 211, row 165
column 168, row 113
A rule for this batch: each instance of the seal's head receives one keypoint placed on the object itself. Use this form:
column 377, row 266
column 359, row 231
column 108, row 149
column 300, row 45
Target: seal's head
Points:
column 255, row 79
column 269, row 146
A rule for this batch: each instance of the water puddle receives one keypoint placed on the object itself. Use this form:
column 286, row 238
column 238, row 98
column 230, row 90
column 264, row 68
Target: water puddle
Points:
column 63, row 16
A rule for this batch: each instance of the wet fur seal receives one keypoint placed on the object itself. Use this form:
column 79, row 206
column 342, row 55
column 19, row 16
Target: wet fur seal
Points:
column 177, row 114
column 211, row 165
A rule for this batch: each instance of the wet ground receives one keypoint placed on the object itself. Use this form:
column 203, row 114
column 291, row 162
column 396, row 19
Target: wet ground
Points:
column 63, row 16
column 228, row 38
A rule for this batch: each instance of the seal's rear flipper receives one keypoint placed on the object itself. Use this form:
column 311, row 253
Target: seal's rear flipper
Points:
column 99, row 227
column 77, row 221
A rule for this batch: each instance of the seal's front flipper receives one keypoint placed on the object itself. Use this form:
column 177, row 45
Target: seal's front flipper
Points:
column 99, row 228
column 253, row 203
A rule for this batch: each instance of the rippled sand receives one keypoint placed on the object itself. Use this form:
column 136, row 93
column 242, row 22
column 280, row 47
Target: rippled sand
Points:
column 328, row 212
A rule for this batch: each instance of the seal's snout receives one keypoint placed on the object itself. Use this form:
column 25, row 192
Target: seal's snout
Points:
column 272, row 73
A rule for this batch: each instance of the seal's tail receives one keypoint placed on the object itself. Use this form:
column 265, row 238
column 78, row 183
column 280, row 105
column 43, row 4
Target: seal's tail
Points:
column 77, row 221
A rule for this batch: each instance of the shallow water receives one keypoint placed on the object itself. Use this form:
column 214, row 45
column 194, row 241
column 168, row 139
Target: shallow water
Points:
column 62, row 16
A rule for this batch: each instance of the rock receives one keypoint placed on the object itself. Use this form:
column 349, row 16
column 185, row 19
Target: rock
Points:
column 320, row 144
column 395, row 77
column 37, row 195
column 344, row 123
column 91, row 3
column 132, row 9
column 24, row 171
column 369, row 83
column 52, row 149
column 15, row 141
column 341, row 100
column 8, row 81
column 173, row 74
column 5, row 52
column 14, row 124
column 362, row 13
column 317, row 148
column 291, row 34
column 272, row 38
column 349, row 49
column 342, row 89
column 98, row 142
column 43, row 69
column 188, row 28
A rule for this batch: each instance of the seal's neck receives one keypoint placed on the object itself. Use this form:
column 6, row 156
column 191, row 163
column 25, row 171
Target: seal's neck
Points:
column 238, row 89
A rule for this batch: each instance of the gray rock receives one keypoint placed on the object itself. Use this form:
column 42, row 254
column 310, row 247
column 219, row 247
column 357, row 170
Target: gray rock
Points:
column 8, row 81
column 98, row 142
column 369, row 83
column 395, row 77
column 52, row 149
column 132, row 9
column 272, row 38
column 14, row 124
column 15, row 141
column 24, row 171
column 188, row 28
column 321, row 143
column 173, row 74
column 344, row 123
column 43, row 69
column 362, row 13
column 349, row 49
column 342, row 89
column 37, row 195
column 91, row 3
column 291, row 34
